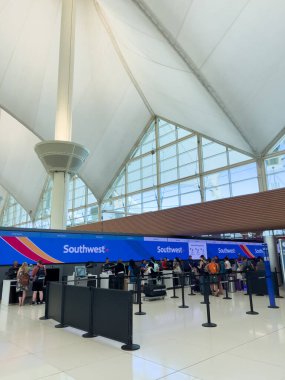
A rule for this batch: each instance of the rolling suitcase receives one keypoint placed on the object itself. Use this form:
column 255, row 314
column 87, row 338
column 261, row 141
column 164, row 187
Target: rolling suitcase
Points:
column 152, row 291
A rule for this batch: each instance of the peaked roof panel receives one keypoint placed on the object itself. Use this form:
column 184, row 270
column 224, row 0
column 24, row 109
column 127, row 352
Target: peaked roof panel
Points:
column 21, row 174
column 170, row 86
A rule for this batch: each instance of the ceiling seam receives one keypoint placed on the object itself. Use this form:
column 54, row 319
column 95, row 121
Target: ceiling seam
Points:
column 223, row 36
column 15, row 47
column 184, row 19
column 273, row 142
column 252, row 155
column 152, row 118
column 44, row 74
column 121, row 56
column 192, row 66
column 21, row 122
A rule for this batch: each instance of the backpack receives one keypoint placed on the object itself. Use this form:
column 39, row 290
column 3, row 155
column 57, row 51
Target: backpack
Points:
column 24, row 279
column 213, row 268
column 40, row 274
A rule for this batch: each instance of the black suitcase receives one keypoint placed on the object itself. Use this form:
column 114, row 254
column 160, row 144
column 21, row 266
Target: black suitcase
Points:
column 151, row 290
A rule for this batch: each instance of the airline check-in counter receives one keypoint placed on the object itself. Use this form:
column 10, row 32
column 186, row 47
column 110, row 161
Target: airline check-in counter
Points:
column 9, row 292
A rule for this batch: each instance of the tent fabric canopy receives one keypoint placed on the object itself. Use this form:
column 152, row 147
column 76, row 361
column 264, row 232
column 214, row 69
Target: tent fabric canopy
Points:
column 213, row 66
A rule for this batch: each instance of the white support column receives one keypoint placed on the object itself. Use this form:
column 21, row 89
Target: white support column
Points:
column 62, row 157
column 63, row 122
column 262, row 184
column 100, row 211
column 200, row 163
column 273, row 255
column 157, row 156
column 59, row 200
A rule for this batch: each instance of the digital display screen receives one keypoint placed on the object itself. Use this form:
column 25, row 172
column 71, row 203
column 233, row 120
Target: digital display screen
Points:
column 69, row 247
column 80, row 271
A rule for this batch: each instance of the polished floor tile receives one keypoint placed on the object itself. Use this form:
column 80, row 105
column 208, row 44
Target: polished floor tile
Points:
column 174, row 345
column 227, row 366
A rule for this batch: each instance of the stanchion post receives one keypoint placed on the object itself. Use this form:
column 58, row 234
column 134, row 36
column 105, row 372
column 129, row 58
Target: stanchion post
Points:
column 130, row 346
column 249, row 291
column 46, row 304
column 277, row 285
column 191, row 285
column 174, row 286
column 139, row 296
column 135, row 292
column 90, row 333
column 202, row 286
column 182, row 278
column 227, row 287
column 99, row 281
column 269, row 282
column 62, row 324
column 207, row 302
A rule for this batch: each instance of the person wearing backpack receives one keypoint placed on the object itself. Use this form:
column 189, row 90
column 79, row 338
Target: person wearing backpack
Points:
column 213, row 270
column 38, row 275
column 23, row 280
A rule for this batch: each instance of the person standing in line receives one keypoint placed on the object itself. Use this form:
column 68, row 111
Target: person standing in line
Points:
column 23, row 280
column 133, row 272
column 213, row 269
column 228, row 266
column 38, row 275
column 120, row 273
column 13, row 270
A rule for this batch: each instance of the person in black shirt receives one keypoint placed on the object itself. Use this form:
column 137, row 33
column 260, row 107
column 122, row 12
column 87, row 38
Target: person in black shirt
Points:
column 13, row 270
column 120, row 273
column 107, row 266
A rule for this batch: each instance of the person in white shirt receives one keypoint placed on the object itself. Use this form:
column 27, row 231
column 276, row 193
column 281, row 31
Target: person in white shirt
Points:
column 228, row 266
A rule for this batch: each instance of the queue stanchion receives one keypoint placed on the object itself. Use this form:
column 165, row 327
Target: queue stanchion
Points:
column 46, row 303
column 209, row 323
column 249, row 291
column 139, row 297
column 277, row 285
column 227, row 287
column 269, row 281
column 90, row 333
column 182, row 279
column 191, row 285
column 135, row 291
column 62, row 324
column 202, row 286
column 174, row 286
column 99, row 281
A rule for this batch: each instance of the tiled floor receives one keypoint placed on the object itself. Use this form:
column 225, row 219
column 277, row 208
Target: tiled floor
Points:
column 174, row 345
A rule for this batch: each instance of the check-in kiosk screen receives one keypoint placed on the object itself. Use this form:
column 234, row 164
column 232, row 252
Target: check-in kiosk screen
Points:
column 71, row 247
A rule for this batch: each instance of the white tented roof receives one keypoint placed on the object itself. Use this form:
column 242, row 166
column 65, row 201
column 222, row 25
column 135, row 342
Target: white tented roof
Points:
column 214, row 66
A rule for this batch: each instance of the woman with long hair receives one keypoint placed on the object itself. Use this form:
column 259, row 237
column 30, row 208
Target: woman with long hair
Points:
column 22, row 283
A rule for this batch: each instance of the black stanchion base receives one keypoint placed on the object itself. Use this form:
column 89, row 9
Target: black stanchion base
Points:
column 273, row 307
column 252, row 312
column 209, row 324
column 174, row 297
column 279, row 297
column 43, row 318
column 60, row 326
column 183, row 307
column 130, row 347
column 88, row 335
column 140, row 313
column 227, row 298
